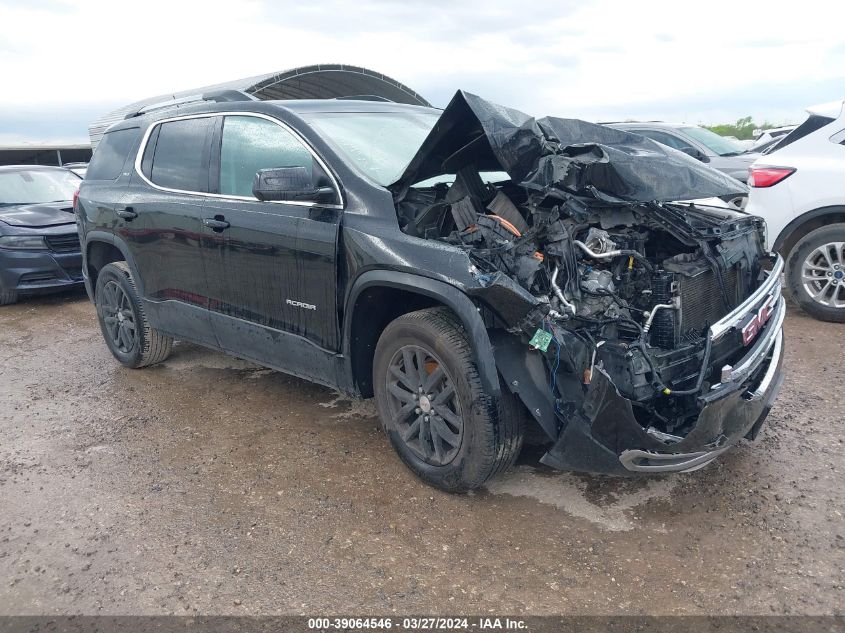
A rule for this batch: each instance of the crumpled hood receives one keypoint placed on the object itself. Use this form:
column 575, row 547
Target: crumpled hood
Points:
column 38, row 215
column 568, row 155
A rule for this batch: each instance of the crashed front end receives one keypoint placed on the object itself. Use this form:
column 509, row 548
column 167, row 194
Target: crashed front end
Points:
column 642, row 333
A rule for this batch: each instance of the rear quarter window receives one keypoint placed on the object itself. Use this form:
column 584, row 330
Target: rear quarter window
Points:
column 176, row 155
column 814, row 122
column 111, row 153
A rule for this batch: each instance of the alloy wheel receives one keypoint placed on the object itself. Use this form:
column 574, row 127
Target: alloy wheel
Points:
column 119, row 317
column 823, row 275
column 424, row 406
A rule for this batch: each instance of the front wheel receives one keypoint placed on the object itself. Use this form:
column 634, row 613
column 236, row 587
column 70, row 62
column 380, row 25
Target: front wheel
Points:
column 123, row 323
column 441, row 422
column 8, row 297
column 816, row 273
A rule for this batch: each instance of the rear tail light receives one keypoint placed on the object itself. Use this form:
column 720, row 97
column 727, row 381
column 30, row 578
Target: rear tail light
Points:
column 767, row 176
column 75, row 198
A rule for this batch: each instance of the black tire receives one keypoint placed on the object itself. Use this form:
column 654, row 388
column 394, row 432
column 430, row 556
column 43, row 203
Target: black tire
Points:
column 491, row 429
column 831, row 273
column 8, row 297
column 135, row 346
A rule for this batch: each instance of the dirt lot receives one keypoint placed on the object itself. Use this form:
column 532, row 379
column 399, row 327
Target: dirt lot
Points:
column 208, row 485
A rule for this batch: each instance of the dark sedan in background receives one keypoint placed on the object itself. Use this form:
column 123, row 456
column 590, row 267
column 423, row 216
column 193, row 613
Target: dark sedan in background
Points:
column 39, row 245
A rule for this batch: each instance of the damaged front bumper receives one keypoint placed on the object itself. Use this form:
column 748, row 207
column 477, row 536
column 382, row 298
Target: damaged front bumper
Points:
column 739, row 409
column 605, row 436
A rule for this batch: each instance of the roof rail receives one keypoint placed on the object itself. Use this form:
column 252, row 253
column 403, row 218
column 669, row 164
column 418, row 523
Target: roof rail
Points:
column 364, row 98
column 217, row 96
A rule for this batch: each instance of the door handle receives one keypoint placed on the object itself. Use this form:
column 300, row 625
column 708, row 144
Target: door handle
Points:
column 217, row 223
column 127, row 213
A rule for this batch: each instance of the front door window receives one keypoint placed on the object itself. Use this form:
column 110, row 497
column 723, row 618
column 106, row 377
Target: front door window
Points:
column 250, row 144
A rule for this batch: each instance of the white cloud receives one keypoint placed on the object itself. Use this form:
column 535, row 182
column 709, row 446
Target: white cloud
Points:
column 596, row 60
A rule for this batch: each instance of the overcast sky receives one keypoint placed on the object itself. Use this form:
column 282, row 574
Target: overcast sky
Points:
column 66, row 62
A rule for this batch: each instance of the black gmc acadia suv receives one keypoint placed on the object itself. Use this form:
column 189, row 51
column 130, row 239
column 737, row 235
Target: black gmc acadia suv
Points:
column 475, row 269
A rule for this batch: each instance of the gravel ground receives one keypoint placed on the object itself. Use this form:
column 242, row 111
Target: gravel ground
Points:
column 207, row 485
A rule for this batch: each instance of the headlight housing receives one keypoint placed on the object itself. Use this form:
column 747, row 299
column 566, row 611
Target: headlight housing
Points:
column 23, row 242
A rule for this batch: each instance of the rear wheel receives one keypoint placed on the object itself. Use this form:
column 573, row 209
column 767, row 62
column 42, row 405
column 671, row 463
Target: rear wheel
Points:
column 816, row 273
column 123, row 323
column 431, row 402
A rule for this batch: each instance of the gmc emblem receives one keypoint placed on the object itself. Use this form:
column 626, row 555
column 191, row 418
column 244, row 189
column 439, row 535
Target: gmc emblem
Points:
column 751, row 329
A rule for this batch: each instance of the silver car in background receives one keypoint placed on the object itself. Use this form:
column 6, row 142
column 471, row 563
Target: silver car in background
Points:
column 718, row 152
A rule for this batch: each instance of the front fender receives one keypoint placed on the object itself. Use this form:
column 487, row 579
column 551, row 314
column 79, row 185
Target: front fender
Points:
column 442, row 292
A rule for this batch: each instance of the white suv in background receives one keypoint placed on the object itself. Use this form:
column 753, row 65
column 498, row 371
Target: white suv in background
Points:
column 799, row 188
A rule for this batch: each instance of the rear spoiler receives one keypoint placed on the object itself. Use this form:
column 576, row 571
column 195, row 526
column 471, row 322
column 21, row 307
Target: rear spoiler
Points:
column 830, row 110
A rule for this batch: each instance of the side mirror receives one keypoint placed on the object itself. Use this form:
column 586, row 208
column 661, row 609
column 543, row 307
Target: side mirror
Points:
column 289, row 184
column 696, row 154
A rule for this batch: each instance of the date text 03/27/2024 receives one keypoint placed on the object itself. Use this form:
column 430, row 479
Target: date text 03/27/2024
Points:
column 417, row 624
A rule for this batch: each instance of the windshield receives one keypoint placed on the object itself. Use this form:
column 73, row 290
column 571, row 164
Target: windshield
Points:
column 37, row 186
column 717, row 144
column 380, row 144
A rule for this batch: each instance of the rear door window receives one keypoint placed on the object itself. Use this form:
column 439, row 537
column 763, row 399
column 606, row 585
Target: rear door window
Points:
column 176, row 156
column 110, row 156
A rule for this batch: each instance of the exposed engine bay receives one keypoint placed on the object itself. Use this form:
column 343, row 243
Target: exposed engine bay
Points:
column 590, row 279
column 632, row 288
